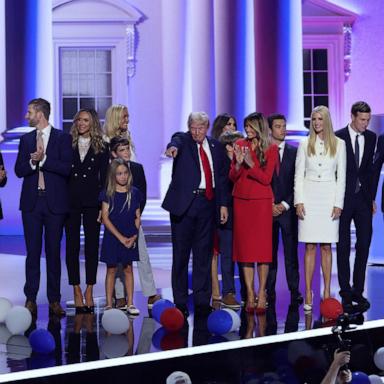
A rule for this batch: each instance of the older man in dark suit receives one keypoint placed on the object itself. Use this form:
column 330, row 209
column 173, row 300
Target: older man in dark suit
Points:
column 198, row 185
column 284, row 216
column 44, row 162
column 358, row 206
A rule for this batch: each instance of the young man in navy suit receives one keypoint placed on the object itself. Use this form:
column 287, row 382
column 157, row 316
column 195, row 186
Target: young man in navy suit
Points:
column 44, row 162
column 359, row 205
column 284, row 215
column 198, row 184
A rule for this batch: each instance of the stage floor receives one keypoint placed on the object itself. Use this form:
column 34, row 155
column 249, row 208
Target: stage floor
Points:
column 81, row 338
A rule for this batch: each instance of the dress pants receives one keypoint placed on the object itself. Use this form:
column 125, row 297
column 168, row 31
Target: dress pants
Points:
column 91, row 246
column 227, row 267
column 193, row 231
column 358, row 210
column 289, row 237
column 144, row 267
column 35, row 222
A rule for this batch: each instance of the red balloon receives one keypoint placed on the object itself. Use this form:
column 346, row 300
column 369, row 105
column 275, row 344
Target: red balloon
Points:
column 172, row 319
column 331, row 308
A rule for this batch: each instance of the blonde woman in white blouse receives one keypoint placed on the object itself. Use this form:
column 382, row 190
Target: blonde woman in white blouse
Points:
column 319, row 196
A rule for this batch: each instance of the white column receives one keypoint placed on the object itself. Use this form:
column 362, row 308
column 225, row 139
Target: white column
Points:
column 3, row 82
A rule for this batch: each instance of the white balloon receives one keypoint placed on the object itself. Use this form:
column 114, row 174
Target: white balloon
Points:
column 4, row 334
column 115, row 321
column 378, row 358
column 5, row 306
column 374, row 379
column 235, row 319
column 18, row 319
column 115, row 346
column 18, row 347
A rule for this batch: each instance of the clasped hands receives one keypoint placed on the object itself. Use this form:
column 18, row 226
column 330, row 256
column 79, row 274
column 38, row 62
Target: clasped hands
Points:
column 277, row 209
column 37, row 156
column 129, row 242
column 243, row 155
column 300, row 212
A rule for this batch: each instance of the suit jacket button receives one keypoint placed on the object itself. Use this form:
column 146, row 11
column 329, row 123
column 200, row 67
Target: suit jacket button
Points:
column 84, row 175
column 319, row 176
column 75, row 174
column 92, row 159
column 73, row 165
column 89, row 168
column 319, row 164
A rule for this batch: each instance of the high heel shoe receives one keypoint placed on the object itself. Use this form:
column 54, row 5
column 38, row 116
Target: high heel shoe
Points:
column 308, row 306
column 262, row 306
column 90, row 306
column 80, row 308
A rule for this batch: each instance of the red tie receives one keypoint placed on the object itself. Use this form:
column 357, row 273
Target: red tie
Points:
column 207, row 173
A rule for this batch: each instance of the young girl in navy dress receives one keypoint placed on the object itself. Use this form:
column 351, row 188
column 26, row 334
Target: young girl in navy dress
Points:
column 121, row 217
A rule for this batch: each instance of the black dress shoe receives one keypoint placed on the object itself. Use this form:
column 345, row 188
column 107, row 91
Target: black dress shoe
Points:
column 296, row 298
column 203, row 310
column 362, row 302
column 183, row 309
column 32, row 307
column 56, row 309
column 348, row 307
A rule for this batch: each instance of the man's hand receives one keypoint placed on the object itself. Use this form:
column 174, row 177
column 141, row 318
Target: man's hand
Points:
column 171, row 152
column 223, row 215
column 37, row 156
column 275, row 210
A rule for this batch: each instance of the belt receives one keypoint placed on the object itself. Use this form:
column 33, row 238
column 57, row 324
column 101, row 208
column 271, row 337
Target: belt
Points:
column 41, row 192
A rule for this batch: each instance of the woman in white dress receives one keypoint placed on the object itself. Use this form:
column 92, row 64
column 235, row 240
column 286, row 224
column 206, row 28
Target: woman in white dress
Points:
column 319, row 196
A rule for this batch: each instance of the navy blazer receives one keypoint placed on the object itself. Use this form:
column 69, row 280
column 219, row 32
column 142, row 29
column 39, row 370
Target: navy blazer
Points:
column 56, row 168
column 377, row 165
column 88, row 177
column 2, row 183
column 186, row 174
column 365, row 171
column 283, row 184
column 139, row 181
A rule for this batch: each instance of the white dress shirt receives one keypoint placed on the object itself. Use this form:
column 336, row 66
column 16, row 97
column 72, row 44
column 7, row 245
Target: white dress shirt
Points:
column 361, row 140
column 281, row 154
column 46, row 133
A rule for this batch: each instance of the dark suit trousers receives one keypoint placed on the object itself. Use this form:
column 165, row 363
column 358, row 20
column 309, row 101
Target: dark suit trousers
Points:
column 91, row 247
column 360, row 212
column 193, row 231
column 289, row 236
column 34, row 222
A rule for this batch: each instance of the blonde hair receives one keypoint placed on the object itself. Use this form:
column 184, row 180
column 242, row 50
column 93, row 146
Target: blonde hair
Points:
column 95, row 133
column 112, row 123
column 330, row 140
column 111, row 184
column 258, row 123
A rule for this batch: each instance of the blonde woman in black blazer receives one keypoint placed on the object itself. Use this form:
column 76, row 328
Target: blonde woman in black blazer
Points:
column 89, row 168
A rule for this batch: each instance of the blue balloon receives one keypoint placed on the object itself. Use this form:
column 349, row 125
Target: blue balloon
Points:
column 42, row 341
column 219, row 322
column 159, row 307
column 360, row 378
column 157, row 337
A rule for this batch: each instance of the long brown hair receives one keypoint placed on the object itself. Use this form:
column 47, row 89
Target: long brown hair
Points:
column 95, row 133
column 258, row 123
column 111, row 184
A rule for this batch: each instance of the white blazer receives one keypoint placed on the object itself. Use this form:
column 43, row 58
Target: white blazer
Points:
column 320, row 168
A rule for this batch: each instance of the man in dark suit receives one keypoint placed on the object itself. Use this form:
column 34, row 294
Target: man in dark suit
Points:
column 358, row 206
column 198, row 184
column 44, row 162
column 284, row 216
column 3, row 180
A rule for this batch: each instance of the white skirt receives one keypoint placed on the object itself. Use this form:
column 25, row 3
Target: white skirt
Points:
column 318, row 226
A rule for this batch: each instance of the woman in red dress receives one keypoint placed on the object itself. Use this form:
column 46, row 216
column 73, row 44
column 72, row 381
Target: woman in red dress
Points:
column 252, row 169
